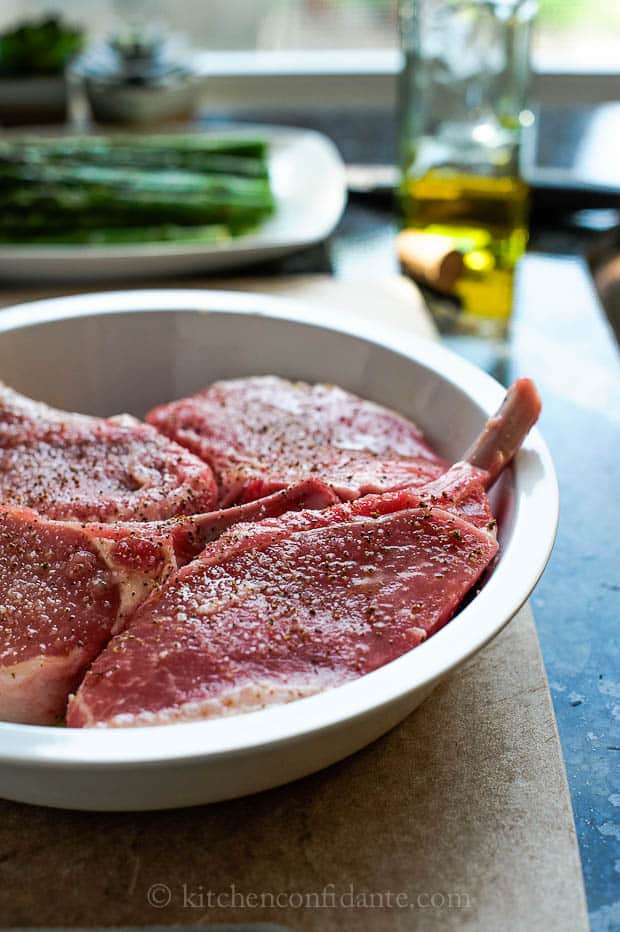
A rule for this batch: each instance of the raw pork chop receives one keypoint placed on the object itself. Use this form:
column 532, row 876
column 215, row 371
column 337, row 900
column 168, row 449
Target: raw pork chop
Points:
column 285, row 608
column 264, row 433
column 89, row 469
column 66, row 588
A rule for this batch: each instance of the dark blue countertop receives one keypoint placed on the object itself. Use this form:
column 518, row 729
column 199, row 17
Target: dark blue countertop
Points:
column 562, row 339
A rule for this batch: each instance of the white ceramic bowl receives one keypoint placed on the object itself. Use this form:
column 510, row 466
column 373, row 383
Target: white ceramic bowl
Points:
column 127, row 351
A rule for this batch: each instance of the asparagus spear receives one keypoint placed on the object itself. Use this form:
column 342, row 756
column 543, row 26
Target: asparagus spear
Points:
column 229, row 163
column 135, row 179
column 179, row 143
column 104, row 207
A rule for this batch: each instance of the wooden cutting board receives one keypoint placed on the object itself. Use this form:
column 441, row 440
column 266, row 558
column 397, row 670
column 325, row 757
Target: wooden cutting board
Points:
column 459, row 818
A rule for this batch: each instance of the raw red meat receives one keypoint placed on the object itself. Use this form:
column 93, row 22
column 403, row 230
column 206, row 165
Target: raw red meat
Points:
column 89, row 469
column 285, row 608
column 264, row 433
column 278, row 621
column 66, row 588
column 62, row 598
column 188, row 535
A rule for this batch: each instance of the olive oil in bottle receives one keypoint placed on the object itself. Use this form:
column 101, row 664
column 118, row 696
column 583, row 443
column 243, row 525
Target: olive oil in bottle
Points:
column 463, row 94
column 485, row 217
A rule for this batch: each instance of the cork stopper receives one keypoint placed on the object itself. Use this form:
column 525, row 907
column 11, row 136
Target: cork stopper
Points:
column 430, row 258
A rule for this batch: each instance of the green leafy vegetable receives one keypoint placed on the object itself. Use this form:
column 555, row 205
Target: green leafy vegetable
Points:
column 38, row 48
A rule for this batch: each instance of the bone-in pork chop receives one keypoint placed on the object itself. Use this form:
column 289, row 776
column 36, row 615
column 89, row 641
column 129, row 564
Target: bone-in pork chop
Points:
column 264, row 433
column 65, row 588
column 275, row 621
column 62, row 598
column 91, row 469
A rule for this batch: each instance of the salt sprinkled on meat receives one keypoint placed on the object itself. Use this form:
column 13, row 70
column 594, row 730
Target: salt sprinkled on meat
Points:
column 88, row 469
column 283, row 612
column 264, row 433
column 67, row 587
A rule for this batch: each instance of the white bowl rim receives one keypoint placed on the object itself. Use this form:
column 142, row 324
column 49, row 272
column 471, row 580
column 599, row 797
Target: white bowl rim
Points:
column 521, row 565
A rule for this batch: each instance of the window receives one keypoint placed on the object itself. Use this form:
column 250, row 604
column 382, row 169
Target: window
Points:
column 337, row 37
column 577, row 35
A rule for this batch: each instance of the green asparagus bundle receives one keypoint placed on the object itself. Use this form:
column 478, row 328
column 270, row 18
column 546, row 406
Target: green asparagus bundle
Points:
column 96, row 189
